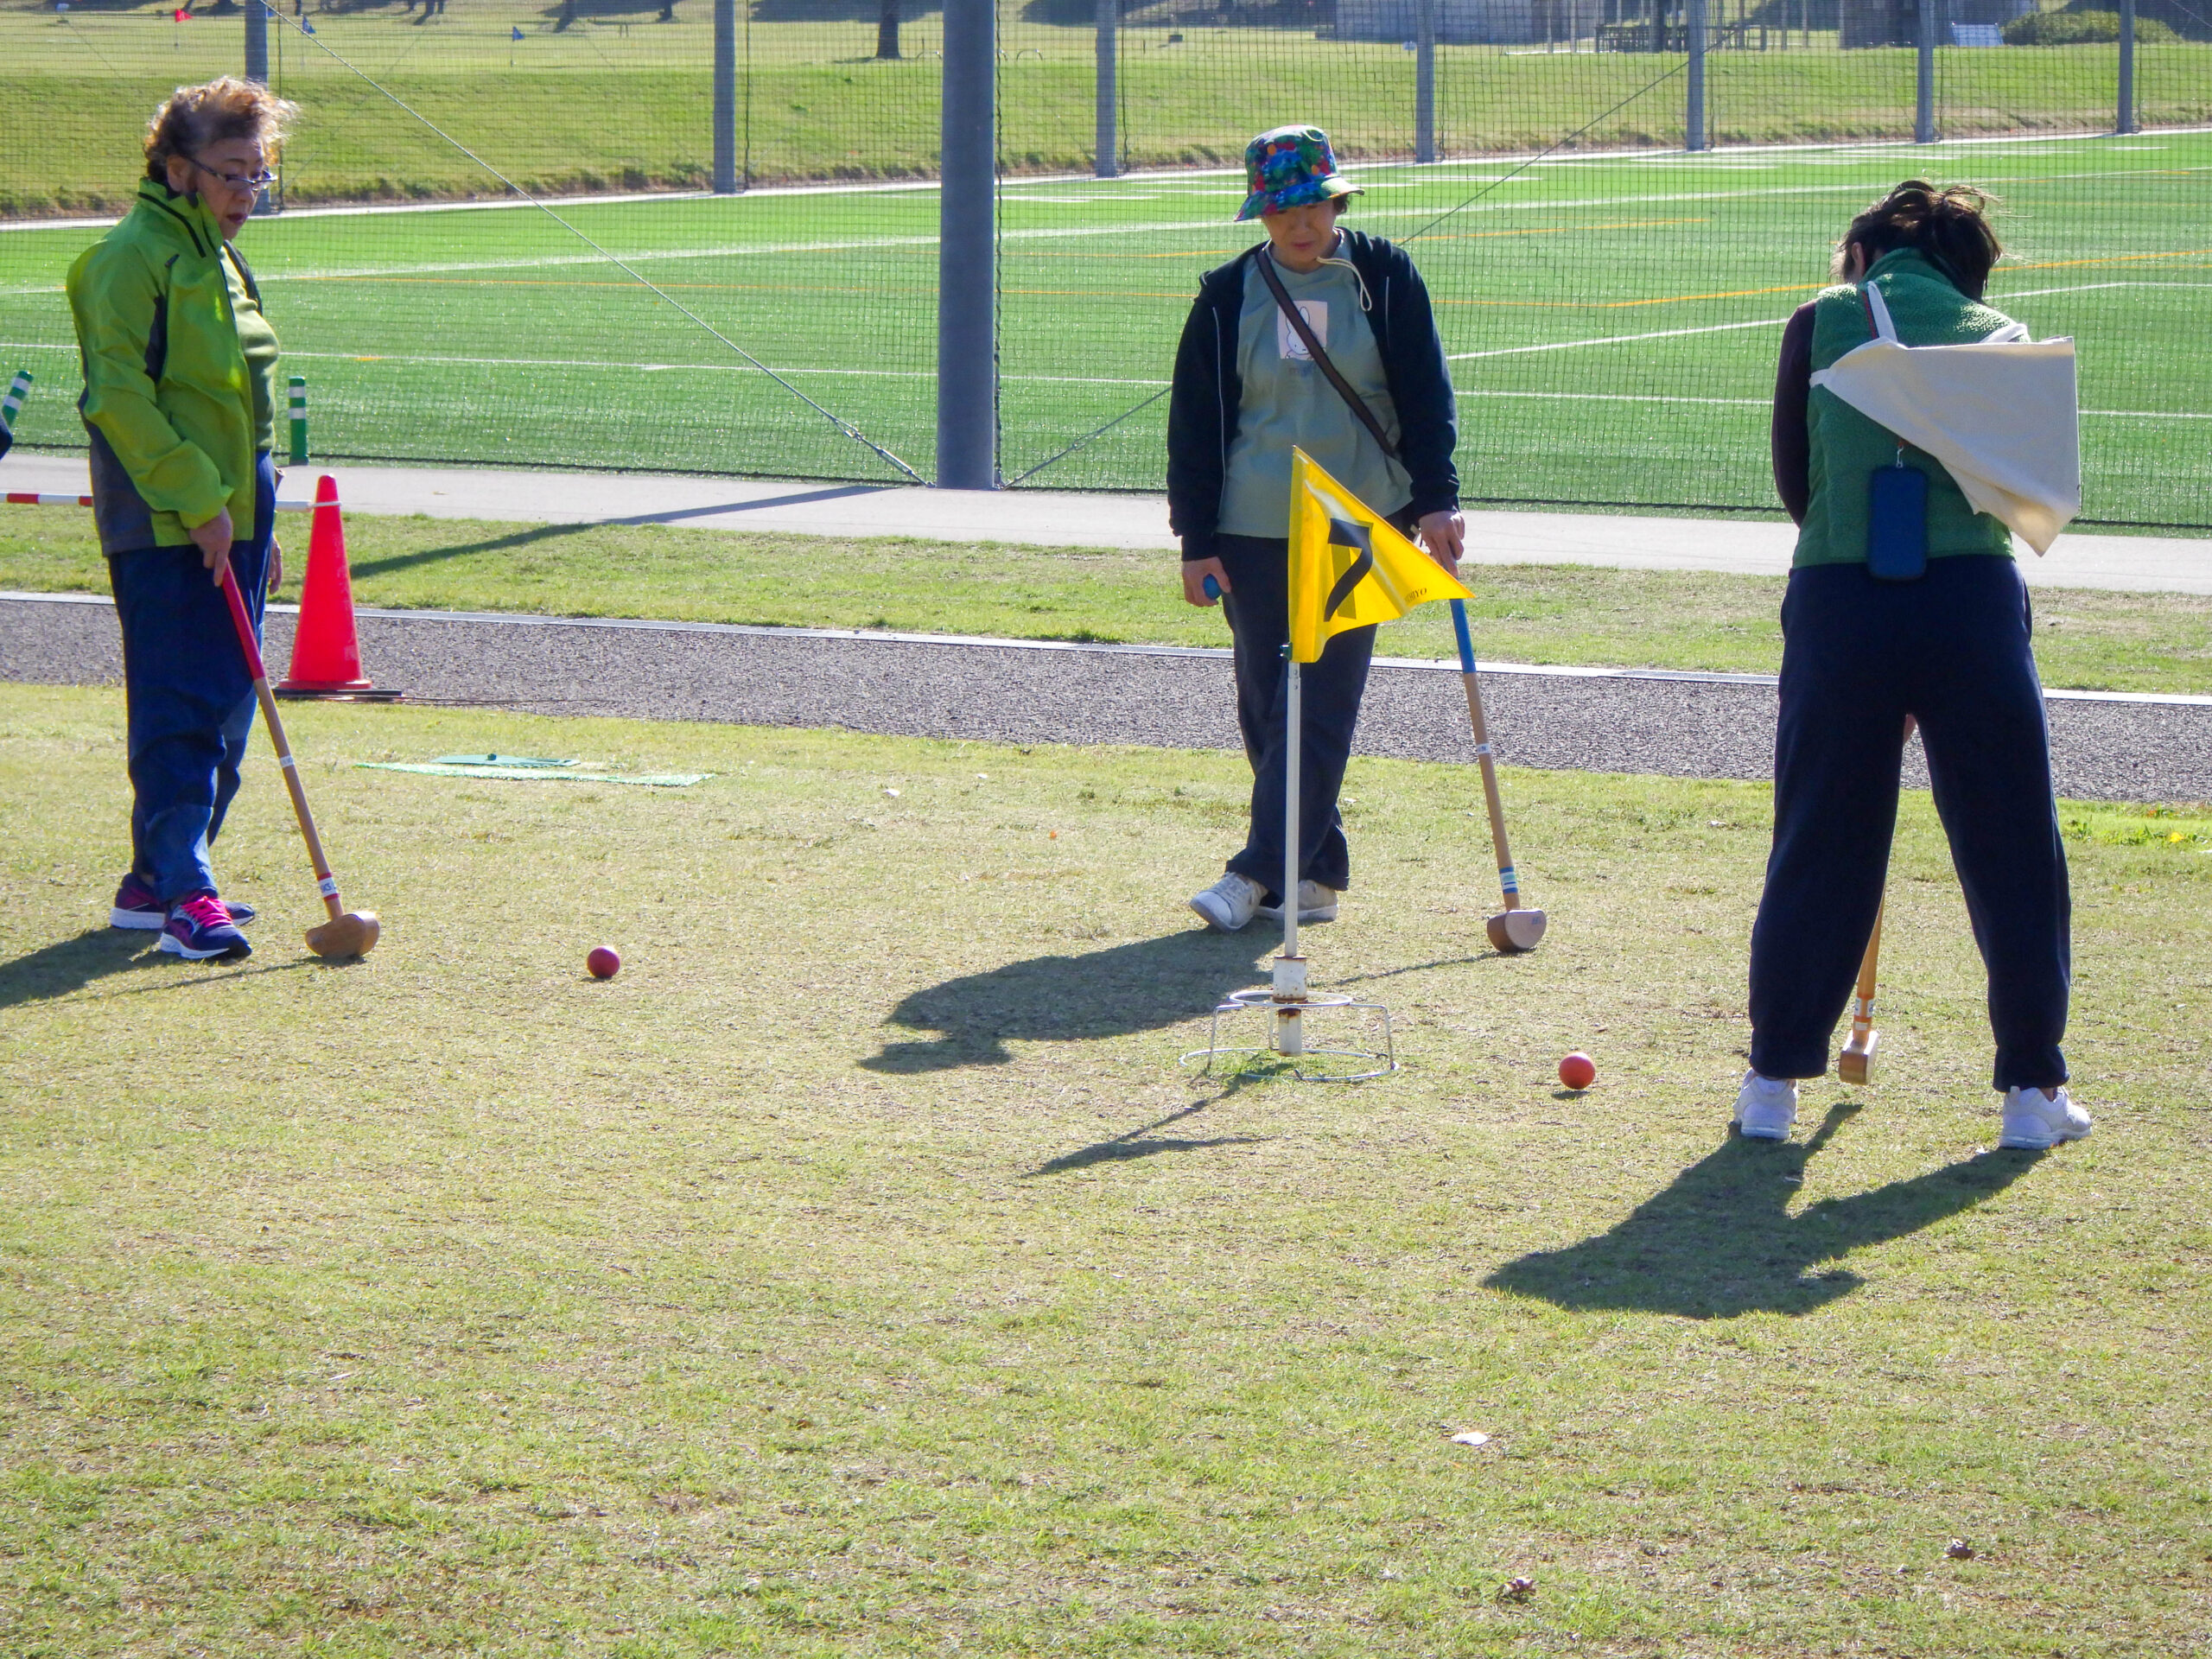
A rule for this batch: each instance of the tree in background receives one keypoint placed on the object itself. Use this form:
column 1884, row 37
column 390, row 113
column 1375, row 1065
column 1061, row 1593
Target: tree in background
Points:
column 887, row 30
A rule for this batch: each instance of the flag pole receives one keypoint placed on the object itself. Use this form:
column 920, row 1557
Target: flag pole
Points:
column 1290, row 967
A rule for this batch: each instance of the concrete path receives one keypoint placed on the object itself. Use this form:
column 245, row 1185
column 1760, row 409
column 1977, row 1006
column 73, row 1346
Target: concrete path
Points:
column 2106, row 747
column 1041, row 518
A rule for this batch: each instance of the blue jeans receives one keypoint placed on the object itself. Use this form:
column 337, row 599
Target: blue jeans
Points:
column 1951, row 649
column 189, row 696
column 1258, row 604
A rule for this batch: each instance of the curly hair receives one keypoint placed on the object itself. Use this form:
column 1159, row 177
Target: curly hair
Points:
column 192, row 118
column 1949, row 226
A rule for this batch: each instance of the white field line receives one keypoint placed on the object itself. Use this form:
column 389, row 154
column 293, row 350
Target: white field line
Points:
column 601, row 364
column 1842, row 153
column 555, row 261
column 1613, row 339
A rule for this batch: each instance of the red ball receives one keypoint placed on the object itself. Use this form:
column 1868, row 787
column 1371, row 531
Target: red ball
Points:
column 602, row 962
column 1578, row 1070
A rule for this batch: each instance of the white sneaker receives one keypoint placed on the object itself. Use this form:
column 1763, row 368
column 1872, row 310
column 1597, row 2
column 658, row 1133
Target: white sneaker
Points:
column 1765, row 1108
column 1315, row 904
column 1231, row 903
column 2034, row 1124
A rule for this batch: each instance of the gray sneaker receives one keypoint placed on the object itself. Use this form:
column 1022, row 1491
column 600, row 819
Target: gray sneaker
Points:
column 1765, row 1108
column 1315, row 904
column 2033, row 1123
column 1231, row 903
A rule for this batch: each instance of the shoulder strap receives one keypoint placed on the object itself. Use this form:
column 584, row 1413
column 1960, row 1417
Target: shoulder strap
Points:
column 1297, row 319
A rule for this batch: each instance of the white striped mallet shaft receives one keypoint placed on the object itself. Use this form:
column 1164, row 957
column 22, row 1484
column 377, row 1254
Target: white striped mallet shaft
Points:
column 348, row 932
column 12, row 404
column 1517, row 927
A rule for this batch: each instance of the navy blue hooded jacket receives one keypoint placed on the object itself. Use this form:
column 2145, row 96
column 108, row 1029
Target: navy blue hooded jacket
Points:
column 1203, row 407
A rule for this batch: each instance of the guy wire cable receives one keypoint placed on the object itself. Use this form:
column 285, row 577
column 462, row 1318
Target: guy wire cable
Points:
column 620, row 264
column 1528, row 163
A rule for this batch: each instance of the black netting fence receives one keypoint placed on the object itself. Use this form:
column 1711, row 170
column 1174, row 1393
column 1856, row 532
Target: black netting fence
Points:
column 1613, row 226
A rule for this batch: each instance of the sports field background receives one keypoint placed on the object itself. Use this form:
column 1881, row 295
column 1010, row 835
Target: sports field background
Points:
column 1611, row 308
column 1612, row 320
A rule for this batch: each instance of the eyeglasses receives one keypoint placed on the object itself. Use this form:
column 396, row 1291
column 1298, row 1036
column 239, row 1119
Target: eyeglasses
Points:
column 237, row 181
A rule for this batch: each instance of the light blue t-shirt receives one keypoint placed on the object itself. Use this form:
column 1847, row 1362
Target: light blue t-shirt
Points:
column 1287, row 401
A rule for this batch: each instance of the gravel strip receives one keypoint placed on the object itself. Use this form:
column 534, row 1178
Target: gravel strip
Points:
column 1683, row 727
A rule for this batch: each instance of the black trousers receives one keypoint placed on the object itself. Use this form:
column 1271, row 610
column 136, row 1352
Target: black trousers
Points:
column 1952, row 650
column 1258, row 607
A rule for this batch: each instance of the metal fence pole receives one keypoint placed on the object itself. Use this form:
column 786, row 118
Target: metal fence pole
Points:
column 2126, row 122
column 257, row 41
column 1424, row 80
column 256, row 69
column 966, row 281
column 1108, row 145
column 725, row 98
column 1694, row 119
column 1923, row 115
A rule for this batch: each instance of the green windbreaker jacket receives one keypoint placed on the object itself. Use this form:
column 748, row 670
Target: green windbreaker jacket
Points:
column 168, row 402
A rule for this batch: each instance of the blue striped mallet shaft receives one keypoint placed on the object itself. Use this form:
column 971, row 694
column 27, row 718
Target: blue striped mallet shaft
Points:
column 1516, row 927
column 298, row 409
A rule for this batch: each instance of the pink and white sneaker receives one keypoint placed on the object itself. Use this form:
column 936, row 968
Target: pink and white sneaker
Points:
column 200, row 927
column 137, row 906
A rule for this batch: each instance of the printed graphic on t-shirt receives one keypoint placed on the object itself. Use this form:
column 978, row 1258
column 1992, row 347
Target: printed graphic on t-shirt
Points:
column 1316, row 313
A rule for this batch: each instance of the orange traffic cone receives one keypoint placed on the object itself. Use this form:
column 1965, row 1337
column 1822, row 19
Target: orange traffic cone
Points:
column 326, row 650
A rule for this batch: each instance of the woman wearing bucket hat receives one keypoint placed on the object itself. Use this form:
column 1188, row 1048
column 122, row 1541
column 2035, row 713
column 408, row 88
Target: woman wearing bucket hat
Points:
column 1247, row 390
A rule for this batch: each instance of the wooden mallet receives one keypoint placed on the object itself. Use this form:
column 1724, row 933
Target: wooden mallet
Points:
column 348, row 932
column 1855, row 1065
column 1516, row 928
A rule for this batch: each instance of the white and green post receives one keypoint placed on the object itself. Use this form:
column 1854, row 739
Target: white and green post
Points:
column 297, row 410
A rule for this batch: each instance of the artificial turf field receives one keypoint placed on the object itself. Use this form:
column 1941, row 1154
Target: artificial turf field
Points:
column 858, row 1273
column 1611, row 320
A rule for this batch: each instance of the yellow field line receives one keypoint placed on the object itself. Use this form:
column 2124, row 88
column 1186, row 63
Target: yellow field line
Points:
column 2114, row 259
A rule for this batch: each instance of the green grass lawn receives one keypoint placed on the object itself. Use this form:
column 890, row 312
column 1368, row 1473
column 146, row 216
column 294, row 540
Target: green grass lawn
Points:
column 1612, row 322
column 857, row 1273
column 1535, row 613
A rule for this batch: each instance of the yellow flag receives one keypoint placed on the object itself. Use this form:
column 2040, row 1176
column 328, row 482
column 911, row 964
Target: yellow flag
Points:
column 1349, row 568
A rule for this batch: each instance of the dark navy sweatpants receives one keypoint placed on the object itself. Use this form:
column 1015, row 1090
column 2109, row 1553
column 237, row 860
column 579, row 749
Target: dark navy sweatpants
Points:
column 1859, row 655
column 1258, row 604
column 189, row 696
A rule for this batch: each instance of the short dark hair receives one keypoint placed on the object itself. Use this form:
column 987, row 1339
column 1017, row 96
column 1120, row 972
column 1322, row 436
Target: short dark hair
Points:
column 1949, row 226
column 192, row 118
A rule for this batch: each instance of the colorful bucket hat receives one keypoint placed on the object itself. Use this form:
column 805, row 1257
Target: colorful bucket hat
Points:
column 1289, row 167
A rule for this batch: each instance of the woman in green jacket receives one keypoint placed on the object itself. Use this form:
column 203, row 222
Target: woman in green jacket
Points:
column 179, row 404
column 1904, row 605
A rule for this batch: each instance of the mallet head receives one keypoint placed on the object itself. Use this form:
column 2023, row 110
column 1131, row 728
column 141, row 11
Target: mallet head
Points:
column 1514, row 930
column 1855, row 1065
column 354, row 934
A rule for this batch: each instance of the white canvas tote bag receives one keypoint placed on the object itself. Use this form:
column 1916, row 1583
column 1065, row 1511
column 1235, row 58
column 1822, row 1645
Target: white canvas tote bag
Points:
column 2000, row 415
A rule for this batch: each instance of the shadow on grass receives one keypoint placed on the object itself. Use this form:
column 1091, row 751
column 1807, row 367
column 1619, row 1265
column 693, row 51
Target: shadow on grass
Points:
column 530, row 537
column 1135, row 1144
column 1720, row 1241
column 538, row 533
column 69, row 965
column 1140, row 987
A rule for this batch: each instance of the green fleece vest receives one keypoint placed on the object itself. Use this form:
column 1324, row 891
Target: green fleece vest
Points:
column 1846, row 446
